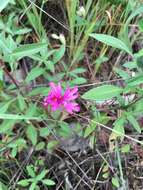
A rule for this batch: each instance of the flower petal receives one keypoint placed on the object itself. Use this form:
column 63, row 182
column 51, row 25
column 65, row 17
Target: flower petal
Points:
column 56, row 89
column 71, row 94
column 71, row 106
column 58, row 101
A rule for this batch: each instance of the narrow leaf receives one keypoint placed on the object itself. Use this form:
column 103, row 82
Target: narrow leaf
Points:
column 34, row 73
column 19, row 117
column 41, row 175
column 48, row 182
column 28, row 50
column 23, row 182
column 134, row 123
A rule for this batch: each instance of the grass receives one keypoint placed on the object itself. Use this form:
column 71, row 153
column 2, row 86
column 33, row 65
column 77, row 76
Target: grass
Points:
column 63, row 41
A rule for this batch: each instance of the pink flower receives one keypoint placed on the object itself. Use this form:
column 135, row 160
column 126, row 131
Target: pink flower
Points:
column 62, row 101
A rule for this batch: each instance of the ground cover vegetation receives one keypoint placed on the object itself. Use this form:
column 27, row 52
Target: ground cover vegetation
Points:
column 71, row 94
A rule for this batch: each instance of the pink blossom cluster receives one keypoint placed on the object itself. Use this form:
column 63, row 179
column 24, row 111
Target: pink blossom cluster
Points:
column 62, row 101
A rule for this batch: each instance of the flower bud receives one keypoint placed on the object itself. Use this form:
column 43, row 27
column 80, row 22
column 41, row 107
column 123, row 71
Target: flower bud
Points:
column 62, row 39
column 81, row 11
column 55, row 36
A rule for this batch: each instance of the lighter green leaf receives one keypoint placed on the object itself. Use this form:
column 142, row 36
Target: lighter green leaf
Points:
column 126, row 148
column 48, row 182
column 89, row 129
column 125, row 32
column 32, row 186
column 19, row 117
column 4, row 45
column 118, row 129
column 3, row 4
column 115, row 182
column 40, row 146
column 58, row 54
column 104, row 92
column 30, row 171
column 78, row 81
column 34, row 73
column 23, row 182
column 111, row 41
column 6, row 125
column 44, row 132
column 21, row 102
column 65, row 130
column 4, row 107
column 134, row 123
column 135, row 80
column 32, row 134
column 51, row 145
column 28, row 50
column 3, row 187
column 39, row 90
column 41, row 175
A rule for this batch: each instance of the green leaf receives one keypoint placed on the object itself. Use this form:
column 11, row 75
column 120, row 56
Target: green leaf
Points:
column 6, row 125
column 7, row 45
column 21, row 102
column 50, row 66
column 58, row 54
column 14, row 152
column 32, row 134
column 135, row 80
column 3, row 4
column 105, row 175
column 125, row 32
column 89, row 129
column 19, row 143
column 28, row 50
column 118, row 129
column 123, row 74
column 51, row 145
column 3, row 187
column 30, row 171
column 34, row 73
column 4, row 107
column 65, row 130
column 115, row 182
column 130, row 65
column 140, row 24
column 23, row 182
column 19, row 117
column 104, row 92
column 39, row 90
column 78, row 81
column 134, row 123
column 126, row 148
column 41, row 175
column 48, row 182
column 21, row 31
column 78, row 71
column 44, row 132
column 111, row 41
column 33, row 186
column 40, row 146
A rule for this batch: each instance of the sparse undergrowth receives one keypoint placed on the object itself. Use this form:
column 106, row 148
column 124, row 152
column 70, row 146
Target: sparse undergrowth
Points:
column 71, row 96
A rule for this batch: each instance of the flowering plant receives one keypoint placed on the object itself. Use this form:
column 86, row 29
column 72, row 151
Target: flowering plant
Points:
column 58, row 100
